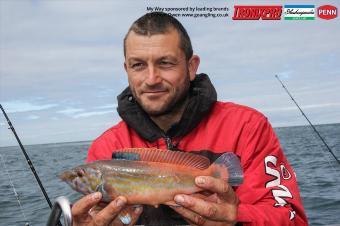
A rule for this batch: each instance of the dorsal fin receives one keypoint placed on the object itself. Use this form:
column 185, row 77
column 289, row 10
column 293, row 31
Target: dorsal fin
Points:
column 164, row 156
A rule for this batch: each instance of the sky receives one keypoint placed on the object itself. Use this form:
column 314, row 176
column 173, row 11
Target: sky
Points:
column 61, row 64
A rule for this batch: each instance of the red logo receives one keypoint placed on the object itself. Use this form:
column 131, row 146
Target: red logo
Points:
column 257, row 12
column 327, row 12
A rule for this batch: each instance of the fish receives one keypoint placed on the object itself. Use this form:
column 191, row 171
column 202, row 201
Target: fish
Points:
column 150, row 176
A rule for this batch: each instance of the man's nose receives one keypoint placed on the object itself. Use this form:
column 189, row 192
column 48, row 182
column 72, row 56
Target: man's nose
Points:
column 153, row 76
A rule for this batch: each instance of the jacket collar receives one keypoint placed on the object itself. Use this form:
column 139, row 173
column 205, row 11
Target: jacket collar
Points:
column 202, row 95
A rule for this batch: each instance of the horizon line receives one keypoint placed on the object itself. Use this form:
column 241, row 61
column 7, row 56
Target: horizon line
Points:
column 84, row 141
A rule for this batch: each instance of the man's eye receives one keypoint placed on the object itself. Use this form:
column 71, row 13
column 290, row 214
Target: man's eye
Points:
column 137, row 65
column 166, row 63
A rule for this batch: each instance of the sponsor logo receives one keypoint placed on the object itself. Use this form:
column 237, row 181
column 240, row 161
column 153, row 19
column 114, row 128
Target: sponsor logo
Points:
column 280, row 192
column 327, row 12
column 257, row 12
column 285, row 172
column 299, row 12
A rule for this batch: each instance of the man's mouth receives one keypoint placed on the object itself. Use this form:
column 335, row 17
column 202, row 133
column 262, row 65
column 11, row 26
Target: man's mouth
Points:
column 154, row 94
column 154, row 91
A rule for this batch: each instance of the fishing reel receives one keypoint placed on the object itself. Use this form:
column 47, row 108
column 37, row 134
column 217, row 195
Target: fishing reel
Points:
column 61, row 206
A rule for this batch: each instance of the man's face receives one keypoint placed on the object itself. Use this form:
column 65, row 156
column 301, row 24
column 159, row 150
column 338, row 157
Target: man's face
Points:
column 158, row 73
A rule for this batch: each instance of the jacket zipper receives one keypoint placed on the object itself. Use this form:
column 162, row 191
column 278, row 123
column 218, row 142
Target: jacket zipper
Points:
column 168, row 143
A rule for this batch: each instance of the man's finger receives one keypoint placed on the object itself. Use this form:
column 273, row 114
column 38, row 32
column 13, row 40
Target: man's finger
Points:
column 210, row 210
column 110, row 212
column 83, row 205
column 223, row 189
column 137, row 211
column 190, row 216
column 129, row 213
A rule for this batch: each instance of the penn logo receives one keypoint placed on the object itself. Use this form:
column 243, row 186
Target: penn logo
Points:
column 257, row 12
column 327, row 12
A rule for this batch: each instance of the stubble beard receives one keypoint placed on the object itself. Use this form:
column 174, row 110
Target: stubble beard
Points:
column 175, row 104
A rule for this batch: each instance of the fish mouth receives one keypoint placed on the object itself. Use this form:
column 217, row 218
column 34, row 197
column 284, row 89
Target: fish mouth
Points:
column 70, row 175
column 67, row 176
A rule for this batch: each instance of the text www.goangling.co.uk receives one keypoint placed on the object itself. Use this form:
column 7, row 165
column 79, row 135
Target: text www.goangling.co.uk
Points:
column 196, row 15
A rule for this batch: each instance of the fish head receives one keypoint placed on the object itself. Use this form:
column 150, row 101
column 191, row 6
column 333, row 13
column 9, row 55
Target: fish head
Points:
column 85, row 179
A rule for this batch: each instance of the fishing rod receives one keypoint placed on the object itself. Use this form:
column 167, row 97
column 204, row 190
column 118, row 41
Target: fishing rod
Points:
column 28, row 160
column 310, row 123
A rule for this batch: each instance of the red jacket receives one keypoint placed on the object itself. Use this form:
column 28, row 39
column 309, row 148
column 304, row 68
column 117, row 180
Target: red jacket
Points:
column 269, row 194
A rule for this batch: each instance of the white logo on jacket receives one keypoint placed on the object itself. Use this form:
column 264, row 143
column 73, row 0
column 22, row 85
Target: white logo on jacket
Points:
column 279, row 191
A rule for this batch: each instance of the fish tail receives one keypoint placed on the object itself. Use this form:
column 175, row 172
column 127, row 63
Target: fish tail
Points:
column 228, row 167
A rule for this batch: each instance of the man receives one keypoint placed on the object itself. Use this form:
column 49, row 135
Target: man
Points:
column 168, row 106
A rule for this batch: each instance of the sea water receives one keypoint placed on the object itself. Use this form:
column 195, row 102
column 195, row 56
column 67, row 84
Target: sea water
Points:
column 317, row 172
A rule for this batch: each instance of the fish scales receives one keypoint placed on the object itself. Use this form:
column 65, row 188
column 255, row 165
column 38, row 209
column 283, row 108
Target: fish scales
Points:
column 139, row 179
column 150, row 176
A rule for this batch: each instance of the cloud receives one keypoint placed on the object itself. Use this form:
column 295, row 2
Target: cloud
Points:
column 70, row 111
column 111, row 106
column 33, row 117
column 92, row 113
column 82, row 113
column 22, row 106
column 285, row 74
column 71, row 55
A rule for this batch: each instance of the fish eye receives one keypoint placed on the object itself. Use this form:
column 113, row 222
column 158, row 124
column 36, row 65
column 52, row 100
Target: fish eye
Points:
column 80, row 173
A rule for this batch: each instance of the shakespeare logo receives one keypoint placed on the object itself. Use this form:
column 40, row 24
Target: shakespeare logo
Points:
column 299, row 12
column 257, row 12
column 327, row 12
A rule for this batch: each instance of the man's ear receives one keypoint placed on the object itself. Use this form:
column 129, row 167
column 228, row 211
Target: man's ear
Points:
column 125, row 67
column 194, row 62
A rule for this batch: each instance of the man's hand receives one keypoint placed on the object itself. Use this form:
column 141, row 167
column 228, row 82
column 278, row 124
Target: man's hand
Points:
column 219, row 209
column 88, row 212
